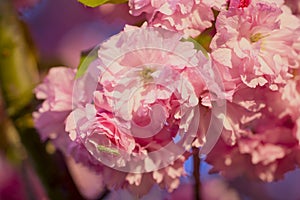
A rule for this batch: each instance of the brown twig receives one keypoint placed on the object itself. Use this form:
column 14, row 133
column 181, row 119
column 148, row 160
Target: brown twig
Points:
column 196, row 174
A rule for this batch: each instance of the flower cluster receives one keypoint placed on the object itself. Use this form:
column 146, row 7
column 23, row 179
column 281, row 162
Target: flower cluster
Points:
column 256, row 48
column 127, row 110
column 153, row 93
column 189, row 17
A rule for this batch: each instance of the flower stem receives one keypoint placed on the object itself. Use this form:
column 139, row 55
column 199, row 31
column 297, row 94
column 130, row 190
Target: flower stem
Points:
column 196, row 173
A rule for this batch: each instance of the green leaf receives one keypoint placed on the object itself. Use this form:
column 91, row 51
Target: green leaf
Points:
column 108, row 150
column 197, row 45
column 95, row 3
column 87, row 57
column 204, row 39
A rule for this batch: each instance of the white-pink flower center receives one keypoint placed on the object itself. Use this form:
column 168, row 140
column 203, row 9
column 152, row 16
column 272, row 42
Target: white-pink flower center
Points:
column 146, row 74
column 257, row 36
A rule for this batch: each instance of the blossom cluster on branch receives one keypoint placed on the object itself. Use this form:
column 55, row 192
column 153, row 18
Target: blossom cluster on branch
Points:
column 152, row 93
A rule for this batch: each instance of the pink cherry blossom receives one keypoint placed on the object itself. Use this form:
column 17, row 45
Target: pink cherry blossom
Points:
column 57, row 92
column 254, row 46
column 291, row 98
column 259, row 138
column 246, row 3
column 240, row 3
column 212, row 189
column 100, row 134
column 147, row 93
column 163, row 69
column 157, row 78
column 190, row 17
column 133, row 117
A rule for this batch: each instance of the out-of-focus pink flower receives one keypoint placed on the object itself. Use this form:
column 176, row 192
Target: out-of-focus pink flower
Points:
column 216, row 189
column 89, row 183
column 259, row 138
column 119, row 13
column 294, row 5
column 56, row 91
column 190, row 17
column 254, row 46
column 11, row 185
column 154, row 193
column 274, row 190
column 213, row 189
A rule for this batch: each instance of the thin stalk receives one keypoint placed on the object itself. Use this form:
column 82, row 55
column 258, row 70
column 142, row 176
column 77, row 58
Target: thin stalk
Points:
column 196, row 174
